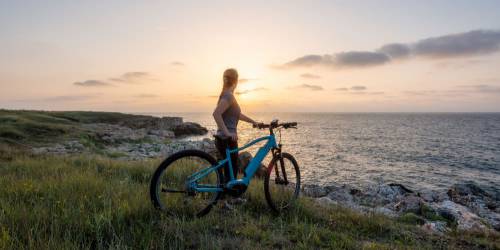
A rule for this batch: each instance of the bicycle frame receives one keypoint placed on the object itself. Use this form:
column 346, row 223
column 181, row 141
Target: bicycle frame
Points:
column 250, row 170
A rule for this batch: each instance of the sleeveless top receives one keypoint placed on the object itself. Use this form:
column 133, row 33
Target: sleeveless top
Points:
column 232, row 114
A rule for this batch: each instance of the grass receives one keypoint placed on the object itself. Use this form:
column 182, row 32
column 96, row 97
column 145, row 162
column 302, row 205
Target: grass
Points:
column 35, row 127
column 27, row 129
column 93, row 202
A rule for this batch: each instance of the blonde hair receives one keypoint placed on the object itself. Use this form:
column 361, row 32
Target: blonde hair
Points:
column 230, row 77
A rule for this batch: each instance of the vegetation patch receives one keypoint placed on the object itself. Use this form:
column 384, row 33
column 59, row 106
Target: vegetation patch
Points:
column 94, row 202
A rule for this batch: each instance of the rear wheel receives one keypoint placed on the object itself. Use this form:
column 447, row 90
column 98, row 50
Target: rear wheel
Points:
column 282, row 182
column 169, row 189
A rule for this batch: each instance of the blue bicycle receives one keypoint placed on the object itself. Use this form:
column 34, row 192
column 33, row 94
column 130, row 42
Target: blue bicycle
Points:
column 190, row 182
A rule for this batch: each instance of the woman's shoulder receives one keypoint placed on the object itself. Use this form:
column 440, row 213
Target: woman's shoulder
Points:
column 228, row 95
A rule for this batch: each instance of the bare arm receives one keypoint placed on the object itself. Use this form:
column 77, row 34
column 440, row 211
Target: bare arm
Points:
column 247, row 119
column 222, row 105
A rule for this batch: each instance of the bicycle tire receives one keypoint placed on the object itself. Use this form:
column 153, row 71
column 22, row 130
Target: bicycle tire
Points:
column 272, row 199
column 155, row 185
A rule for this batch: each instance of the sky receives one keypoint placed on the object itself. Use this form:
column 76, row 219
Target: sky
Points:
column 292, row 56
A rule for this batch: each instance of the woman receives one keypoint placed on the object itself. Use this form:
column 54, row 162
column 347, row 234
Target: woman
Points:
column 226, row 115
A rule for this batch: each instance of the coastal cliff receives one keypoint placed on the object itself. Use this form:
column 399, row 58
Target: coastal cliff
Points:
column 115, row 135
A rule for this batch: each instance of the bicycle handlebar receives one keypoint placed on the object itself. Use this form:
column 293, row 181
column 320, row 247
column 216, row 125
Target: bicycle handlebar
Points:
column 275, row 124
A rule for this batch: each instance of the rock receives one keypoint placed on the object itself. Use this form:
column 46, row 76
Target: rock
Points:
column 400, row 188
column 472, row 208
column 244, row 159
column 438, row 227
column 465, row 219
column 382, row 194
column 139, row 151
column 68, row 147
column 333, row 188
column 74, row 147
column 314, row 191
column 111, row 133
column 426, row 196
column 391, row 192
column 189, row 128
column 355, row 191
column 342, row 196
column 385, row 211
column 478, row 200
column 410, row 204
column 472, row 196
column 467, row 189
column 326, row 201
column 433, row 196
column 163, row 134
column 151, row 123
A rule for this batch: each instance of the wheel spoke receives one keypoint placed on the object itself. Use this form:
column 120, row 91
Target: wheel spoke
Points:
column 167, row 190
column 170, row 181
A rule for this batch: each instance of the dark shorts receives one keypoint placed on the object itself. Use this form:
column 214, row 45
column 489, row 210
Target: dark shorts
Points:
column 221, row 143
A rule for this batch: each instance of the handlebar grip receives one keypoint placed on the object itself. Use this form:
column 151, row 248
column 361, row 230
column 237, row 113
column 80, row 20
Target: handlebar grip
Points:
column 290, row 125
column 261, row 126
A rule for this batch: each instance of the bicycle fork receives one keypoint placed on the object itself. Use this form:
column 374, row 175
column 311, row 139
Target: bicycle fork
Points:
column 279, row 180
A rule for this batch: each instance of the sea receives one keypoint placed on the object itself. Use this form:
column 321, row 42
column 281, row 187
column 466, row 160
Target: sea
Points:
column 423, row 151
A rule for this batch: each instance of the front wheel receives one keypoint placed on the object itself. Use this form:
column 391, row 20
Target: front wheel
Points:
column 169, row 189
column 282, row 182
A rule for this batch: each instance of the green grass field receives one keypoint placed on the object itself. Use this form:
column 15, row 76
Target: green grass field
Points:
column 91, row 202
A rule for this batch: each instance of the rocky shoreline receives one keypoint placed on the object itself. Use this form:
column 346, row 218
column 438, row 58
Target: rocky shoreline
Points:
column 154, row 137
column 464, row 206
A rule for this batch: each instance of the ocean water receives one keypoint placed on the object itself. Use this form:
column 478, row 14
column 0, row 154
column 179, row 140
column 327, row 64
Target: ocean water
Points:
column 424, row 151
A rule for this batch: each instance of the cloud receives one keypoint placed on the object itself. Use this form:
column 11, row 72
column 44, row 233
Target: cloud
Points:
column 358, row 88
column 459, row 64
column 360, row 59
column 117, row 80
column 250, row 90
column 446, row 93
column 419, row 92
column 476, row 42
column 457, row 91
column 488, row 80
column 308, row 86
column 310, row 60
column 177, row 63
column 67, row 98
column 127, row 77
column 245, row 80
column 310, row 76
column 133, row 77
column 341, row 60
column 58, row 98
column 367, row 93
column 146, row 96
column 472, row 43
column 92, row 83
column 395, row 50
column 482, row 88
